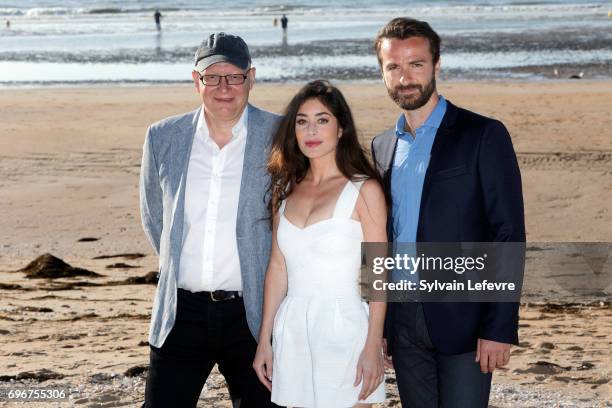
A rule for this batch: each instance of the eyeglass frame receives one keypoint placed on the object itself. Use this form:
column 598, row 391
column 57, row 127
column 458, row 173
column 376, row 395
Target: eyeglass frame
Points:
column 244, row 77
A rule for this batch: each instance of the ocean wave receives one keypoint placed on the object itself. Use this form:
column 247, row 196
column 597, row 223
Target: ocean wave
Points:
column 52, row 11
column 34, row 12
column 75, row 11
column 7, row 12
column 130, row 10
column 109, row 10
column 527, row 9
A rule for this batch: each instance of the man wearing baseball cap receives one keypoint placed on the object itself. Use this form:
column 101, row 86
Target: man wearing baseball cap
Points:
column 202, row 187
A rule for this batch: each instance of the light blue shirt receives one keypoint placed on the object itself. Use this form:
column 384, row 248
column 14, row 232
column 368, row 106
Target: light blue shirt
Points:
column 409, row 166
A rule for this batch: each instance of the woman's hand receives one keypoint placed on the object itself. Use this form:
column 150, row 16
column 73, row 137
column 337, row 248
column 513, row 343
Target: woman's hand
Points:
column 388, row 360
column 370, row 368
column 263, row 363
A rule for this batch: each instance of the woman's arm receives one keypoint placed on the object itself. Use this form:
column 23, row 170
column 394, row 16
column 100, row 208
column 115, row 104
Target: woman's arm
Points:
column 371, row 210
column 275, row 290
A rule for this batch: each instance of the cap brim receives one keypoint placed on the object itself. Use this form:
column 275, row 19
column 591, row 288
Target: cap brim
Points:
column 214, row 59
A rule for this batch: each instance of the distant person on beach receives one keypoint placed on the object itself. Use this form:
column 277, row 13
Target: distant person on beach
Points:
column 158, row 16
column 452, row 176
column 202, row 186
column 284, row 22
column 8, row 24
column 275, row 22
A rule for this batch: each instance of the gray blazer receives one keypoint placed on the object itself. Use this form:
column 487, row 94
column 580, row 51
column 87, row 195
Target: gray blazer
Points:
column 163, row 174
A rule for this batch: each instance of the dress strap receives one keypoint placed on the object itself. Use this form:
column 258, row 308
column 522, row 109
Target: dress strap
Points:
column 347, row 200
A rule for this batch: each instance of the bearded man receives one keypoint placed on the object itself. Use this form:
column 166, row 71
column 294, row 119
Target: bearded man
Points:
column 452, row 176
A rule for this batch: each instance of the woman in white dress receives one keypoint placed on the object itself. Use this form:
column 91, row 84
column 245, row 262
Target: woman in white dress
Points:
column 320, row 344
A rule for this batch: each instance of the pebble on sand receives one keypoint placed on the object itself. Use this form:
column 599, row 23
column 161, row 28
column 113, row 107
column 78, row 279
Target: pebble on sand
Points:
column 88, row 239
column 136, row 371
column 150, row 278
column 121, row 265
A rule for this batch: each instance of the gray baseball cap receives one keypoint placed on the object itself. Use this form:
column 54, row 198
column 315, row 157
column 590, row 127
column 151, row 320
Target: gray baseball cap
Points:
column 222, row 47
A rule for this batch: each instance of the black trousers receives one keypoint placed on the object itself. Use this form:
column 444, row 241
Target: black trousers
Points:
column 428, row 379
column 205, row 333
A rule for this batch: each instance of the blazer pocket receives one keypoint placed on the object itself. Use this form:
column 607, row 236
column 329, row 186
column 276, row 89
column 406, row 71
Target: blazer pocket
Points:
column 451, row 172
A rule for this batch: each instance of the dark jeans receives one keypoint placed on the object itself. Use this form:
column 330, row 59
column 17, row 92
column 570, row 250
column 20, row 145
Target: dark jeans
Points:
column 205, row 333
column 426, row 378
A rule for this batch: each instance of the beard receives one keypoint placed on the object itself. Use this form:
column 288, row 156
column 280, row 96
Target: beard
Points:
column 416, row 100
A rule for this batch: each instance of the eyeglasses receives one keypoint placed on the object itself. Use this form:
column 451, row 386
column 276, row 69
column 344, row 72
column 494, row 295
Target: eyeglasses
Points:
column 231, row 79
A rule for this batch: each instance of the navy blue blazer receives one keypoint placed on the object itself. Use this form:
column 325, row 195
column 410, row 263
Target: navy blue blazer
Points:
column 471, row 193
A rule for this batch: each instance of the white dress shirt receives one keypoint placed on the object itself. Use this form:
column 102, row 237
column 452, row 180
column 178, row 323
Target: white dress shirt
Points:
column 209, row 258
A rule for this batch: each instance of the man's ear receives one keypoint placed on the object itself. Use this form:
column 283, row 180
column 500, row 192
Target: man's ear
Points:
column 251, row 74
column 196, row 80
column 437, row 67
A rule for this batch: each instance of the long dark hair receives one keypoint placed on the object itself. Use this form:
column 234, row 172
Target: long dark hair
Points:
column 287, row 164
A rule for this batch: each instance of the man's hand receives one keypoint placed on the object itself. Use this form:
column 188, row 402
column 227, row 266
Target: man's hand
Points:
column 492, row 354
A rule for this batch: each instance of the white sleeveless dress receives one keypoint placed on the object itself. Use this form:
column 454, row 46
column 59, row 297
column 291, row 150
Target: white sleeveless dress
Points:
column 321, row 326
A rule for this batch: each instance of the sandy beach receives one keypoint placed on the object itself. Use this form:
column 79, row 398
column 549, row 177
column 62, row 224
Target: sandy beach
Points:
column 69, row 161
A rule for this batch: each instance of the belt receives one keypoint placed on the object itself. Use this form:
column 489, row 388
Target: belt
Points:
column 221, row 295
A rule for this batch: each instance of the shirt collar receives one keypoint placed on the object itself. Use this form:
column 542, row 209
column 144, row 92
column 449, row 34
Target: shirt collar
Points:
column 239, row 129
column 433, row 120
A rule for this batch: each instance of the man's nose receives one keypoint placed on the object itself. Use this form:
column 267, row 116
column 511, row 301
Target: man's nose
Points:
column 223, row 83
column 405, row 77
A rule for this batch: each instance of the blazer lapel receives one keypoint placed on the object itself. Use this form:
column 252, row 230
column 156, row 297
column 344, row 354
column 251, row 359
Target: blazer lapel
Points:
column 384, row 155
column 252, row 157
column 180, row 151
column 182, row 141
column 386, row 152
column 391, row 148
column 442, row 139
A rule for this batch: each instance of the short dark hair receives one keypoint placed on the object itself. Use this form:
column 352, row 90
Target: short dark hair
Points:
column 404, row 27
